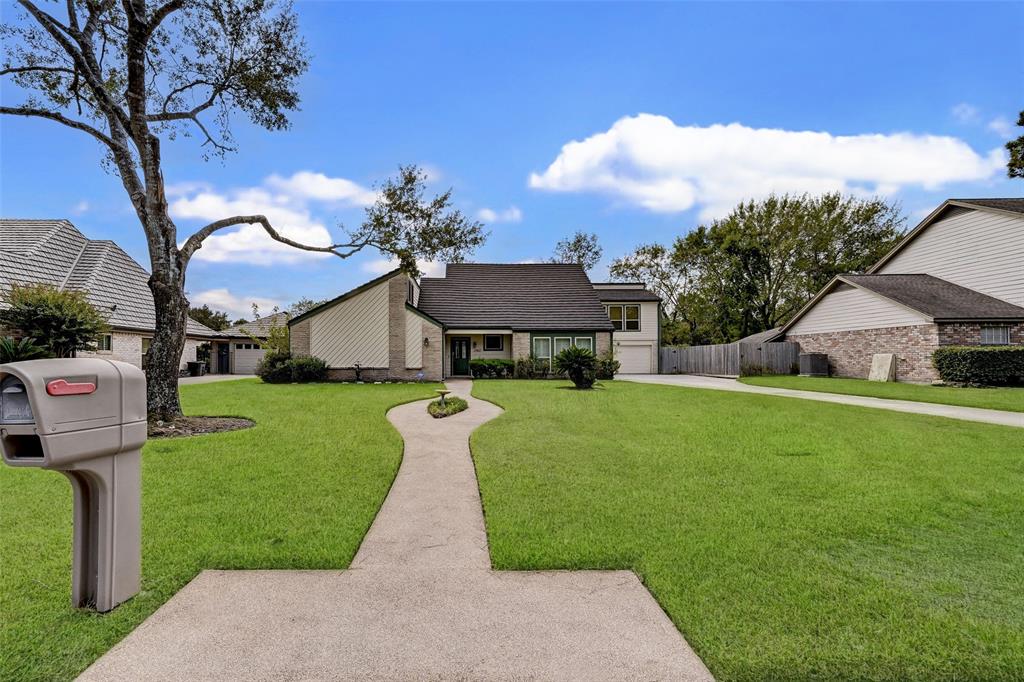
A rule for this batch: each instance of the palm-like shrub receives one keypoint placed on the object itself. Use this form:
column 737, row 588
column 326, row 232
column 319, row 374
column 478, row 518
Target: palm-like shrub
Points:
column 12, row 350
column 579, row 364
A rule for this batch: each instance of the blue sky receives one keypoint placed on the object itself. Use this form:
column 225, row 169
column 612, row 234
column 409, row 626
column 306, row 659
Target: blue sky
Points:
column 680, row 110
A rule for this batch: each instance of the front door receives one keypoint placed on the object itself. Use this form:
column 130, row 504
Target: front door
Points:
column 223, row 351
column 460, row 355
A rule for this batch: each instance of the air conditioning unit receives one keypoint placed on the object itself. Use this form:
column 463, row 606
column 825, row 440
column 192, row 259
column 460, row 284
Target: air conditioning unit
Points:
column 814, row 364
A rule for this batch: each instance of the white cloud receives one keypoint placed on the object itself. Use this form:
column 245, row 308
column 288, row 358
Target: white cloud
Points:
column 383, row 265
column 236, row 306
column 649, row 161
column 512, row 214
column 317, row 186
column 1001, row 126
column 965, row 113
column 80, row 208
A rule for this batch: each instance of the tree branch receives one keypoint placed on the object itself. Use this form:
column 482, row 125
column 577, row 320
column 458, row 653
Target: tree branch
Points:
column 31, row 69
column 59, row 118
column 162, row 13
column 195, row 242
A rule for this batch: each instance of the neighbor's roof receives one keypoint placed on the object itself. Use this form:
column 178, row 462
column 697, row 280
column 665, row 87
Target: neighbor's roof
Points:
column 54, row 252
column 937, row 298
column 767, row 336
column 259, row 327
column 534, row 296
column 1013, row 204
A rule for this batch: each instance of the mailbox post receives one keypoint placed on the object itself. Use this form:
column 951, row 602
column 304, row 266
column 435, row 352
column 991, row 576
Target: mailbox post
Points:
column 85, row 418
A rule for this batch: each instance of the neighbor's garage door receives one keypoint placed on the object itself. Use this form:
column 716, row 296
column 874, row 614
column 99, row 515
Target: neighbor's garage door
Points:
column 634, row 359
column 247, row 356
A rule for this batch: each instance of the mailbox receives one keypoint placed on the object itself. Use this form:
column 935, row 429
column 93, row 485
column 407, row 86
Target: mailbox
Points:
column 86, row 418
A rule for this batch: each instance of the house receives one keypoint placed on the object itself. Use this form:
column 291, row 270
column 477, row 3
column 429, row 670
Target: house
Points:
column 54, row 252
column 395, row 327
column 636, row 318
column 955, row 279
column 238, row 349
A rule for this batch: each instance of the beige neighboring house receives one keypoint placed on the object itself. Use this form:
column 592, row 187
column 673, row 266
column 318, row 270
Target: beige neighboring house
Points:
column 636, row 317
column 239, row 350
column 395, row 327
column 54, row 252
column 955, row 279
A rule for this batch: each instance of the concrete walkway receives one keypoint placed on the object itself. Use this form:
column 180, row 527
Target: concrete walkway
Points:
column 973, row 414
column 420, row 601
column 213, row 378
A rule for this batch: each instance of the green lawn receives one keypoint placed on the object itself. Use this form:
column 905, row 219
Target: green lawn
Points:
column 299, row 490
column 1011, row 399
column 787, row 539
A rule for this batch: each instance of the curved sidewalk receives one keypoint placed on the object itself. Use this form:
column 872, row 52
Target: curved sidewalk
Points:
column 420, row 600
column 974, row 414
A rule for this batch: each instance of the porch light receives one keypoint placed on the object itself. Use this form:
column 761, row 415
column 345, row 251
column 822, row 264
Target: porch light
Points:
column 426, row 340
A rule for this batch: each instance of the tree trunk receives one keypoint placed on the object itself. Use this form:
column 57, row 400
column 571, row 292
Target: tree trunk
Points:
column 164, row 358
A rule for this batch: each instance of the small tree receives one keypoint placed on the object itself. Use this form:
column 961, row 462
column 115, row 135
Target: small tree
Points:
column 214, row 319
column 1015, row 166
column 62, row 322
column 579, row 364
column 581, row 248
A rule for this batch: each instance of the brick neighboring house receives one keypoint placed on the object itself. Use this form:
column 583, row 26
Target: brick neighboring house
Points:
column 54, row 252
column 955, row 279
column 237, row 349
column 395, row 327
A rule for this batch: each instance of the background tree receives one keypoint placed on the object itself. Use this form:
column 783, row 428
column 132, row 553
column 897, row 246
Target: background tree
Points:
column 654, row 265
column 581, row 248
column 61, row 322
column 133, row 74
column 1015, row 166
column 214, row 319
column 304, row 305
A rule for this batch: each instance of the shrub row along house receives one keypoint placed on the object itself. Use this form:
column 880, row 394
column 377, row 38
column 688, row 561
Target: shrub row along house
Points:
column 56, row 253
column 395, row 327
column 955, row 279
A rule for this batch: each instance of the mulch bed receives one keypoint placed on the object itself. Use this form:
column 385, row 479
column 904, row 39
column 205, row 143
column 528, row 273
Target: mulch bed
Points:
column 194, row 426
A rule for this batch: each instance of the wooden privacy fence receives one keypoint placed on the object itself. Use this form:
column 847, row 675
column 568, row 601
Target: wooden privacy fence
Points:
column 731, row 359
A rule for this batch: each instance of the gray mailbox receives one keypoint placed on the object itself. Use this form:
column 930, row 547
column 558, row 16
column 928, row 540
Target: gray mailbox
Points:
column 85, row 418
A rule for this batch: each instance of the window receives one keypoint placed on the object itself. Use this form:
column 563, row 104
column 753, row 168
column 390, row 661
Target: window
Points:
column 246, row 346
column 542, row 348
column 561, row 343
column 585, row 342
column 145, row 345
column 494, row 342
column 625, row 317
column 411, row 294
column 104, row 342
column 995, row 336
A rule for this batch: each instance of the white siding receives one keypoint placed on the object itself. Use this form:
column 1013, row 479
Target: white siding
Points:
column 353, row 331
column 979, row 250
column 413, row 340
column 648, row 323
column 848, row 308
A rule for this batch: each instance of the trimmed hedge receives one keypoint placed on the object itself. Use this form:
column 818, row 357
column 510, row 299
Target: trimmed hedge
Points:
column 982, row 365
column 281, row 368
column 491, row 369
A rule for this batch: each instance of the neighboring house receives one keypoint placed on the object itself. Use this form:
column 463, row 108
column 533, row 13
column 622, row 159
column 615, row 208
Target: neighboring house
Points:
column 240, row 349
column 955, row 279
column 635, row 314
column 54, row 252
column 394, row 327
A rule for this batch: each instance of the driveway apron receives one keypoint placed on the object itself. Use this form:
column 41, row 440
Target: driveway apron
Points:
column 419, row 602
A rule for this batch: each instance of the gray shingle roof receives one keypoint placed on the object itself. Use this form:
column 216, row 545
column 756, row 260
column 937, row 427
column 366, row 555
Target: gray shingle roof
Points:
column 1015, row 204
column 624, row 294
column 54, row 252
column 767, row 336
column 937, row 298
column 535, row 296
column 259, row 328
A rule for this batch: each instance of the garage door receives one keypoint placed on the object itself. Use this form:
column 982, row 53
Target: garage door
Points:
column 247, row 356
column 634, row 359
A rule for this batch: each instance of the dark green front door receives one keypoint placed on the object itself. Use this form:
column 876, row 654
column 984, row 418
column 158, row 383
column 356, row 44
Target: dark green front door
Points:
column 460, row 355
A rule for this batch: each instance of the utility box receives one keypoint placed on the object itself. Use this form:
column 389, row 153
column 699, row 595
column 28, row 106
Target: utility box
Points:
column 85, row 418
column 814, row 364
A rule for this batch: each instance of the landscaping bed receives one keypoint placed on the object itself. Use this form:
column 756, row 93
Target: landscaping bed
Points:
column 787, row 539
column 451, row 405
column 1009, row 399
column 299, row 490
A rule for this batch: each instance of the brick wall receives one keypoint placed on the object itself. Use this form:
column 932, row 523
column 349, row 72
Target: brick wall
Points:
column 969, row 334
column 127, row 347
column 298, row 338
column 849, row 352
column 520, row 345
column 603, row 343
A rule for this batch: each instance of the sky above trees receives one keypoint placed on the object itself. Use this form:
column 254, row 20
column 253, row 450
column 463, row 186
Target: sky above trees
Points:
column 635, row 122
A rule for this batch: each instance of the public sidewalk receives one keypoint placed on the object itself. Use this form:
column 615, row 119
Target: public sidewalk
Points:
column 973, row 414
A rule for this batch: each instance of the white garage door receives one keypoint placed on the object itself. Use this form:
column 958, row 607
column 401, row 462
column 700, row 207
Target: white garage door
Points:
column 634, row 359
column 247, row 356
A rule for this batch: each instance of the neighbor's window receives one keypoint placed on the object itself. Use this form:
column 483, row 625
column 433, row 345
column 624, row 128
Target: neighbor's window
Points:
column 632, row 318
column 615, row 315
column 542, row 348
column 245, row 346
column 145, row 345
column 585, row 342
column 494, row 342
column 104, row 342
column 995, row 336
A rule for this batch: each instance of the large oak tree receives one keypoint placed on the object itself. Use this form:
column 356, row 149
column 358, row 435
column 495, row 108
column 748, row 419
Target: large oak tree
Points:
column 133, row 74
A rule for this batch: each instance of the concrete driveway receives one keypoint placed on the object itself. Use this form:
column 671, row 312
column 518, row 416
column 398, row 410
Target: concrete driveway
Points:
column 973, row 414
column 213, row 378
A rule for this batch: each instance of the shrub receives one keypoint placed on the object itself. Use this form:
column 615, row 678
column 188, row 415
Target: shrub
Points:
column 579, row 364
column 492, row 369
column 12, row 350
column 62, row 321
column 607, row 366
column 450, row 406
column 530, row 368
column 274, row 368
column 983, row 365
column 305, row 370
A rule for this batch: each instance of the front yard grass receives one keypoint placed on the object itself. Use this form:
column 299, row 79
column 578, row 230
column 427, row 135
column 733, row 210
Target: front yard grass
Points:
column 299, row 490
column 1010, row 399
column 787, row 539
